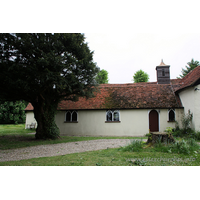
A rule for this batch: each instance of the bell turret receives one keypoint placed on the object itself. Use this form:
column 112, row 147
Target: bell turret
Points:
column 163, row 73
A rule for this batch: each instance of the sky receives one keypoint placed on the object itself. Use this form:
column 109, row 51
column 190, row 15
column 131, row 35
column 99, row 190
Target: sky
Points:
column 126, row 36
column 122, row 54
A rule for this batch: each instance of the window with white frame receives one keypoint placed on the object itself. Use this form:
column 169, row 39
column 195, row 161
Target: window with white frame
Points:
column 71, row 116
column 171, row 115
column 112, row 116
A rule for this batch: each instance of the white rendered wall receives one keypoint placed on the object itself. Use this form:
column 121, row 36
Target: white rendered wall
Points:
column 30, row 118
column 191, row 101
column 132, row 123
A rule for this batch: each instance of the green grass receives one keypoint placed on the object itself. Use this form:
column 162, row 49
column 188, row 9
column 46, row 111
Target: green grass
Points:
column 111, row 157
column 10, row 129
column 182, row 153
column 15, row 136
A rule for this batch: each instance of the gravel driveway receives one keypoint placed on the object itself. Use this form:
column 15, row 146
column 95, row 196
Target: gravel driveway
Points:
column 60, row 149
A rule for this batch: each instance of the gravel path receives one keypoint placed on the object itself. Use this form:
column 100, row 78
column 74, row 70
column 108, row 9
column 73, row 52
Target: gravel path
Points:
column 60, row 149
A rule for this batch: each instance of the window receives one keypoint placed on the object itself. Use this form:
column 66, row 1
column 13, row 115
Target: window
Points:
column 71, row 116
column 171, row 115
column 112, row 116
column 163, row 72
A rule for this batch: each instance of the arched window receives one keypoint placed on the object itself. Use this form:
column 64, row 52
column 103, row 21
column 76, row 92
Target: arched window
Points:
column 74, row 116
column 112, row 115
column 68, row 116
column 171, row 115
column 109, row 115
column 116, row 115
column 71, row 116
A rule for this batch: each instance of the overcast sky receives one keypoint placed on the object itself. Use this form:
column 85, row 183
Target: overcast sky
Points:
column 125, row 36
column 122, row 54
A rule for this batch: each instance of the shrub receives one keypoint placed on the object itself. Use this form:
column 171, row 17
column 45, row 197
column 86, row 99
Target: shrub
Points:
column 186, row 121
column 184, row 146
column 135, row 146
column 186, row 130
column 197, row 135
column 169, row 130
column 12, row 112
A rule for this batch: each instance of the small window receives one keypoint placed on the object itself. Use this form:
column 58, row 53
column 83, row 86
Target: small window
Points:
column 112, row 115
column 109, row 116
column 163, row 72
column 171, row 114
column 116, row 115
column 68, row 116
column 71, row 116
column 74, row 116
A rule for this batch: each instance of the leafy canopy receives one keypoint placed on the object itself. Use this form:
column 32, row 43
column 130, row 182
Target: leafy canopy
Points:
column 140, row 76
column 191, row 65
column 102, row 77
column 54, row 66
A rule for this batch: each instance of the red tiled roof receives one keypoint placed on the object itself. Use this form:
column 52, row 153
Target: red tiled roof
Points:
column 127, row 96
column 29, row 107
column 134, row 95
column 190, row 79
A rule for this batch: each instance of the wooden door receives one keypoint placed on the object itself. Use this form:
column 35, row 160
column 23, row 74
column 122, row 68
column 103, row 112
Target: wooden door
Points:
column 153, row 121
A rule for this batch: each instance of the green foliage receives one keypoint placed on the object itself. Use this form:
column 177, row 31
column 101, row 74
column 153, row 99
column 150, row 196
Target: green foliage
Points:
column 102, row 77
column 186, row 130
column 184, row 146
column 189, row 133
column 187, row 120
column 44, row 69
column 139, row 162
column 140, row 76
column 191, row 65
column 169, row 130
column 135, row 146
column 12, row 112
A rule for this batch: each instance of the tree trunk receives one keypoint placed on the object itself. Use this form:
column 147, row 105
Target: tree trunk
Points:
column 44, row 113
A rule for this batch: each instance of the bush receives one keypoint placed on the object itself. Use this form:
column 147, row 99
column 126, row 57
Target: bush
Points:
column 186, row 131
column 135, row 146
column 12, row 112
column 186, row 146
column 197, row 135
column 187, row 120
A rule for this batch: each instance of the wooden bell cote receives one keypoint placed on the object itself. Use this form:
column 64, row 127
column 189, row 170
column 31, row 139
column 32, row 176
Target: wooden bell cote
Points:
column 163, row 73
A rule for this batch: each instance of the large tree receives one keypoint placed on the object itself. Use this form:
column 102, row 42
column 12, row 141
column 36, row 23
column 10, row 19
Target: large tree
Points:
column 102, row 77
column 191, row 65
column 44, row 69
column 140, row 76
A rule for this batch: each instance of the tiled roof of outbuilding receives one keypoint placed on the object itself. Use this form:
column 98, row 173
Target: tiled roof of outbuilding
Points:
column 29, row 107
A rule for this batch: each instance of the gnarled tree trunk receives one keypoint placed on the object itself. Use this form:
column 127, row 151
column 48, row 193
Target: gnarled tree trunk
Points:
column 44, row 113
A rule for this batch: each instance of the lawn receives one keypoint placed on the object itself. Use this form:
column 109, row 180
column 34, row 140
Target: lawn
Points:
column 18, row 129
column 112, row 157
column 16, row 136
column 183, row 153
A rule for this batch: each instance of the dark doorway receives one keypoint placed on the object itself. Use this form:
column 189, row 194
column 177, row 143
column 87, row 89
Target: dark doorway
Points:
column 153, row 121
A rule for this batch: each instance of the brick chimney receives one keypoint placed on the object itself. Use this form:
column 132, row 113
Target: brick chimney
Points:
column 163, row 73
